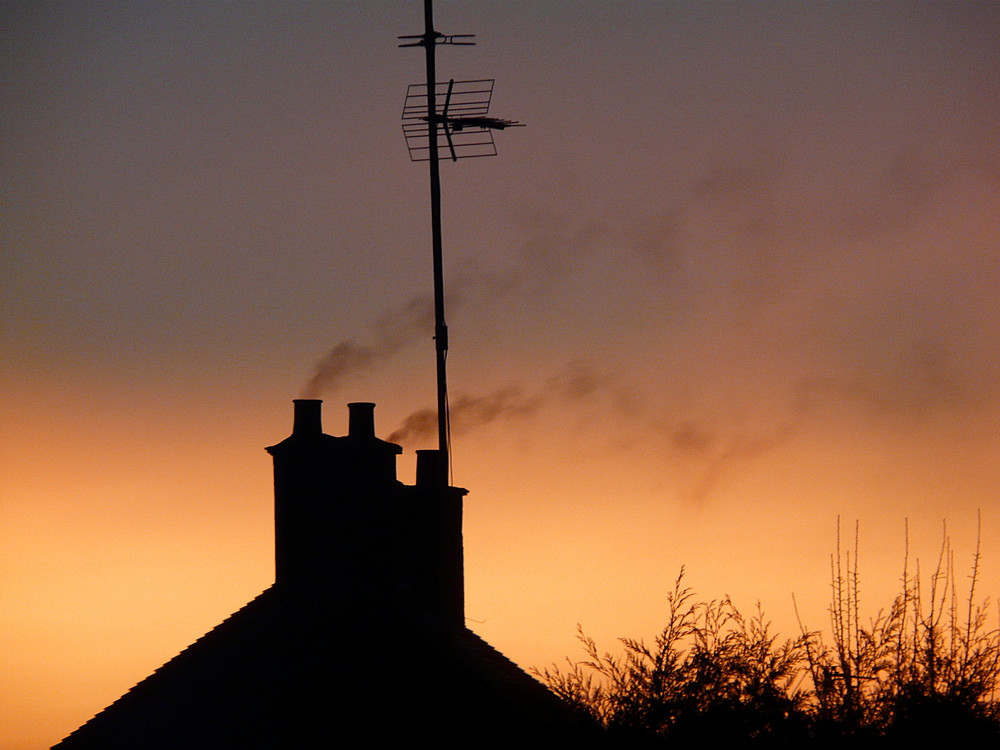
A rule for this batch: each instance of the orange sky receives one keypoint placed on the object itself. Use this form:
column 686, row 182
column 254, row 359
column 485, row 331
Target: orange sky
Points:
column 735, row 279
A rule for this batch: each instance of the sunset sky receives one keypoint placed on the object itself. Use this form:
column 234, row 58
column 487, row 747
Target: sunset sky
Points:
column 735, row 279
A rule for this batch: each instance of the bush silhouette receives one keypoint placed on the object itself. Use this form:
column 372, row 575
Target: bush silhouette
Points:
column 925, row 671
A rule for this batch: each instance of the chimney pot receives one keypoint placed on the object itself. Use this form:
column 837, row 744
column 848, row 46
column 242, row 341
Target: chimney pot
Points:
column 361, row 421
column 432, row 468
column 308, row 419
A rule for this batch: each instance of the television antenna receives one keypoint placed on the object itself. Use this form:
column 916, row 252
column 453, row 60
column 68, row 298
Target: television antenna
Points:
column 464, row 128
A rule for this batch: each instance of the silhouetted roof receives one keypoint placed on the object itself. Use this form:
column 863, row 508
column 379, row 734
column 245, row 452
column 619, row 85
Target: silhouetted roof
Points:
column 285, row 671
column 360, row 642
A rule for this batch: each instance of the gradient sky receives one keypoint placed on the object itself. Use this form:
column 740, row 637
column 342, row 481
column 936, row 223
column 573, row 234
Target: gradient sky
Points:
column 737, row 277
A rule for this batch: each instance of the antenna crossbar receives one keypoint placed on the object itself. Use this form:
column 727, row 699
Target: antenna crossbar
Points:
column 436, row 37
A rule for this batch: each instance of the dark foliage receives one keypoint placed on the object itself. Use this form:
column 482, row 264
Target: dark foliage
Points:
column 921, row 673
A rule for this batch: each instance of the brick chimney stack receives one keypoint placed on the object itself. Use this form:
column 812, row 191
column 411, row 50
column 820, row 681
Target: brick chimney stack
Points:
column 347, row 532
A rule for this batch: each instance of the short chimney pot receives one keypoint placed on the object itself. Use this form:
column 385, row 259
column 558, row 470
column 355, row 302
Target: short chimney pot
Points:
column 308, row 417
column 361, row 420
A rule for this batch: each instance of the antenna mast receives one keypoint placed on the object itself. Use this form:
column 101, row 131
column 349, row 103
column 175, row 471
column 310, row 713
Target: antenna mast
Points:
column 467, row 131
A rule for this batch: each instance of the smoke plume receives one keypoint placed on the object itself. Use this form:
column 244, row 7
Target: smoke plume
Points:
column 551, row 240
column 712, row 453
column 392, row 332
column 920, row 379
column 577, row 381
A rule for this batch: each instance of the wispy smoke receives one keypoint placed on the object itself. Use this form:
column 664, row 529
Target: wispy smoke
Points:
column 922, row 379
column 713, row 453
column 392, row 332
column 468, row 412
column 773, row 235
column 551, row 241
column 705, row 454
column 577, row 381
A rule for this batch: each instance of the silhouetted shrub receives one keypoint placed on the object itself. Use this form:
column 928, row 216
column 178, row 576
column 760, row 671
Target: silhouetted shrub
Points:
column 709, row 673
column 921, row 672
column 918, row 670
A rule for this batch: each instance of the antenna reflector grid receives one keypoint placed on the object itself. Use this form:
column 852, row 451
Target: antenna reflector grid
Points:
column 467, row 99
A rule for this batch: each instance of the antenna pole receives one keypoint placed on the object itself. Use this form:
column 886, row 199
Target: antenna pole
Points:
column 440, row 327
column 468, row 132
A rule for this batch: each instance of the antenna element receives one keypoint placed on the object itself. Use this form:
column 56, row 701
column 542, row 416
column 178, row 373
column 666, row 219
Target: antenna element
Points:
column 464, row 129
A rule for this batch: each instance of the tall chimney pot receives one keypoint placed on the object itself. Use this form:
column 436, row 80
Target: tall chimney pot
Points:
column 308, row 419
column 432, row 468
column 361, row 421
